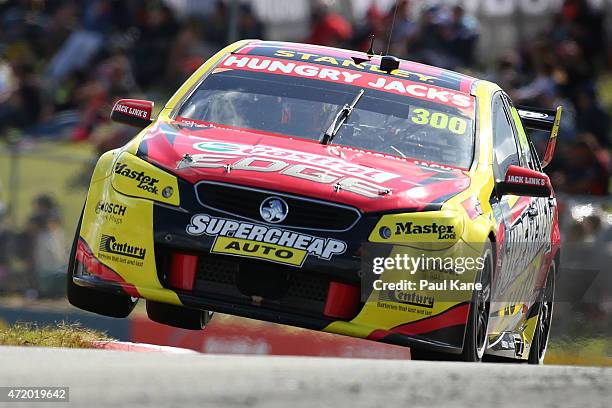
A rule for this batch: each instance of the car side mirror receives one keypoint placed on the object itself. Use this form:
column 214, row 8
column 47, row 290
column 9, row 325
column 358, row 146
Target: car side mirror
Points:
column 520, row 181
column 133, row 112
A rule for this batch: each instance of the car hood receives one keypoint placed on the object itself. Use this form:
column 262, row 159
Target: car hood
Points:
column 364, row 179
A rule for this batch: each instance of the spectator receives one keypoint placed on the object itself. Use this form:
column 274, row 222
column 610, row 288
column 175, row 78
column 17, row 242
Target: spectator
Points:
column 373, row 25
column 328, row 28
column 427, row 43
column 587, row 171
column 592, row 118
column 187, row 52
column 24, row 106
column 403, row 28
column 217, row 24
column 461, row 36
column 158, row 29
column 542, row 86
column 249, row 25
column 43, row 249
column 585, row 25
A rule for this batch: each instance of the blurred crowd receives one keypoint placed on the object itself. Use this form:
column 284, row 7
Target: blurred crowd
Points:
column 64, row 62
column 561, row 65
column 39, row 250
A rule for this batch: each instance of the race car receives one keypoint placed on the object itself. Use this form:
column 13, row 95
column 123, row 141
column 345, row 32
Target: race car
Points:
column 312, row 186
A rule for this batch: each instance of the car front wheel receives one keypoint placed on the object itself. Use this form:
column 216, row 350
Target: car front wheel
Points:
column 475, row 339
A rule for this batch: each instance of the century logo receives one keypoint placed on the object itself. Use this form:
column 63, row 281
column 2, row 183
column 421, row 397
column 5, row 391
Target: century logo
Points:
column 109, row 244
column 146, row 183
column 415, row 299
column 442, row 231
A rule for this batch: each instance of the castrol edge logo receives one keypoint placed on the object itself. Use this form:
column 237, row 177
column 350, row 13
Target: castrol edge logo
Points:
column 354, row 178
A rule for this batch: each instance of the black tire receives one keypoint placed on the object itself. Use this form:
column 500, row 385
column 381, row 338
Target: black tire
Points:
column 91, row 300
column 545, row 314
column 178, row 316
column 475, row 341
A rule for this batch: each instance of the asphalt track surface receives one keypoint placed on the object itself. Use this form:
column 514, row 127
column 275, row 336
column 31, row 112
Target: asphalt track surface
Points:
column 115, row 379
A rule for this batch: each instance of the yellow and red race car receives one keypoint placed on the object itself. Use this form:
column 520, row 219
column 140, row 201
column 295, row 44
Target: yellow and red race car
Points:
column 333, row 190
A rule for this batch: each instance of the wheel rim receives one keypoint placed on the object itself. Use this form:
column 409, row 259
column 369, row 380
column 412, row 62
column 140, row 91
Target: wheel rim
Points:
column 482, row 307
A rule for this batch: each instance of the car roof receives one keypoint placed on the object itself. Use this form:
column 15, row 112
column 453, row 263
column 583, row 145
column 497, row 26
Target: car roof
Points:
column 410, row 70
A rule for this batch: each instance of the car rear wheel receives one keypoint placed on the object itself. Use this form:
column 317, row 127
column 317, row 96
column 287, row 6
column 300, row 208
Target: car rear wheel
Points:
column 475, row 340
column 178, row 316
column 542, row 331
column 91, row 300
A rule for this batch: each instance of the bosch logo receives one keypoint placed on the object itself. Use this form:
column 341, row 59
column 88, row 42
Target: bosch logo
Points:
column 274, row 210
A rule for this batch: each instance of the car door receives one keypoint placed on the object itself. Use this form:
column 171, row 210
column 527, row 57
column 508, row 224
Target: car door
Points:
column 518, row 220
column 540, row 213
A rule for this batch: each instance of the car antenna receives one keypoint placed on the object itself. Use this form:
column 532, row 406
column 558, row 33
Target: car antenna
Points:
column 389, row 63
column 395, row 7
column 369, row 52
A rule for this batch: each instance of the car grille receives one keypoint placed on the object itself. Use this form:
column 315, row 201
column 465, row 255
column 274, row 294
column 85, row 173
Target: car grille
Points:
column 279, row 287
column 303, row 213
column 256, row 278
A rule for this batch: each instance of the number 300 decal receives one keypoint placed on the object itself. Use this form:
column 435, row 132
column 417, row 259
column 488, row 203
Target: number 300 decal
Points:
column 439, row 120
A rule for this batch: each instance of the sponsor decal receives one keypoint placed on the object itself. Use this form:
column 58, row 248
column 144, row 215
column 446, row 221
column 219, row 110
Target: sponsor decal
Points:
column 414, row 299
column 138, row 113
column 145, row 182
column 251, row 249
column 110, row 245
column 269, row 152
column 351, row 64
column 441, row 231
column 110, row 208
column 354, row 178
column 111, row 212
column 525, row 245
column 398, row 86
column 403, row 292
column 533, row 115
column 263, row 242
column 529, row 181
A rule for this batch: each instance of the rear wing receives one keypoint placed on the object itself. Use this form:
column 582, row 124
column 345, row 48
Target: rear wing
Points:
column 546, row 120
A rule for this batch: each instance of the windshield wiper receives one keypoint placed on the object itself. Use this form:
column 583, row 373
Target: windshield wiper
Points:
column 340, row 119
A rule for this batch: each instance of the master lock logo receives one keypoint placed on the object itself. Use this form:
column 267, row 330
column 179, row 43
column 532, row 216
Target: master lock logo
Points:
column 441, row 231
column 145, row 182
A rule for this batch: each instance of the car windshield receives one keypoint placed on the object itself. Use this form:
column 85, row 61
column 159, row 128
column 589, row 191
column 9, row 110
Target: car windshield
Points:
column 382, row 121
